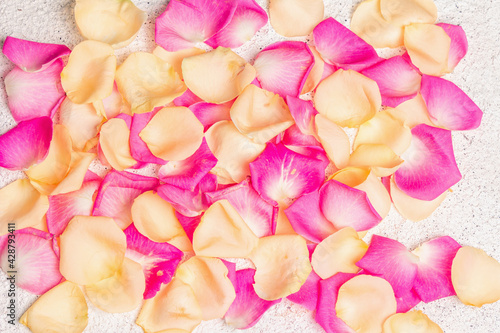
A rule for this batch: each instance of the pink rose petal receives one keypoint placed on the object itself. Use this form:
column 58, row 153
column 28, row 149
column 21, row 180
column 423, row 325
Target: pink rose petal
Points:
column 187, row 22
column 26, row 144
column 158, row 260
column 341, row 47
column 407, row 301
column 396, row 79
column 303, row 113
column 307, row 296
column 187, row 99
column 138, row 148
column 448, row 106
column 208, row 113
column 429, row 168
column 32, row 56
column 458, row 46
column 283, row 67
column 189, row 223
column 293, row 136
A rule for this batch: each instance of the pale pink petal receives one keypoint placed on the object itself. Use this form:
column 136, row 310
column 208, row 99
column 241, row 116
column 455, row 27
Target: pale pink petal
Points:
column 32, row 56
column 185, row 23
column 396, row 79
column 448, row 106
column 293, row 136
column 248, row 18
column 208, row 113
column 248, row 307
column 303, row 113
column 458, row 46
column 345, row 206
column 307, row 296
column 26, row 144
column 187, row 173
column 341, row 47
column 187, row 99
column 138, row 148
column 158, row 260
column 433, row 280
column 282, row 175
column 283, row 67
column 255, row 211
column 36, row 264
column 429, row 168
column 32, row 95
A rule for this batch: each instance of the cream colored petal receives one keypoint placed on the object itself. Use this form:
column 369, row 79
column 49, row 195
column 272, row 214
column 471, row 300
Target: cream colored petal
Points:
column 115, row 22
column 428, row 46
column 212, row 288
column 475, row 277
column 113, row 105
column 411, row 208
column 89, row 75
column 409, row 11
column 223, row 233
column 260, row 114
column 384, row 129
column 92, row 249
column 61, row 309
column 121, row 292
column 155, row 218
column 114, row 142
column 233, row 150
column 365, row 302
column 383, row 161
column 316, row 73
column 413, row 112
column 283, row 225
column 175, row 58
column 351, row 176
column 217, row 76
column 334, row 140
column 73, row 181
column 282, row 266
column 54, row 168
column 173, row 134
column 410, row 322
column 173, row 309
column 22, row 205
column 348, row 98
column 338, row 252
column 147, row 81
column 292, row 18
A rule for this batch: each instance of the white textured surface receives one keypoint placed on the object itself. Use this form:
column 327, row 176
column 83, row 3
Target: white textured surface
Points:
column 471, row 214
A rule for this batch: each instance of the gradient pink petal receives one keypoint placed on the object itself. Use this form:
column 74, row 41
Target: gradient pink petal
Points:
column 448, row 106
column 189, row 223
column 303, row 113
column 32, row 56
column 159, row 260
column 293, row 136
column 345, row 206
column 187, row 99
column 407, row 301
column 208, row 113
column 33, row 95
column 26, row 144
column 307, row 296
column 459, row 44
column 429, row 166
column 138, row 148
column 283, row 67
column 341, row 47
column 187, row 22
column 396, row 79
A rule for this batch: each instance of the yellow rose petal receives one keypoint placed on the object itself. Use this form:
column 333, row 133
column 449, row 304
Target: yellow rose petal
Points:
column 382, row 160
column 334, row 140
column 316, row 73
column 292, row 18
column 77, row 170
column 114, row 142
column 175, row 58
column 410, row 322
column 412, row 112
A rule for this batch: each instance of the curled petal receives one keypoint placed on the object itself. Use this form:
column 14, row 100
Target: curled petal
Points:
column 115, row 22
column 334, row 140
column 175, row 58
column 208, row 113
column 217, row 76
column 26, row 144
column 295, row 18
column 411, row 322
column 380, row 158
column 114, row 133
column 61, row 309
column 348, row 98
column 458, row 46
column 475, row 277
column 89, row 75
column 138, row 148
column 282, row 266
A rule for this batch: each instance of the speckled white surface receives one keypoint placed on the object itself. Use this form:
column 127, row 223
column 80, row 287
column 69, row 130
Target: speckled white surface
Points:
column 471, row 214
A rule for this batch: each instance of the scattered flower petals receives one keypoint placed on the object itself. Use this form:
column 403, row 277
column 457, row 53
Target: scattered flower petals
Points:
column 208, row 113
column 458, row 46
column 175, row 58
column 334, row 140
column 307, row 296
column 411, row 322
column 138, row 148
column 112, row 136
column 295, row 18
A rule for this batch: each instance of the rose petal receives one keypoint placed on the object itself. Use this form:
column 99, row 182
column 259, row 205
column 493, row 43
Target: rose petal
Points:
column 411, row 322
column 175, row 58
column 114, row 133
column 208, row 113
column 458, row 46
column 295, row 18
column 413, row 112
column 187, row 99
column 407, row 301
column 307, row 296
column 334, row 140
column 316, row 74
column 138, row 148
column 113, row 105
column 303, row 113
column 187, row 202
column 382, row 159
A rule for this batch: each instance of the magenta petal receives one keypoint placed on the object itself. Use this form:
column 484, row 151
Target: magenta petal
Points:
column 187, row 174
column 138, row 148
column 459, row 44
column 341, row 47
column 449, row 107
column 326, row 315
column 407, row 301
column 189, row 223
column 345, row 206
column 248, row 18
column 303, row 113
column 208, row 113
column 33, row 95
column 187, row 99
column 187, row 22
column 32, row 56
column 293, row 136
column 429, row 167
column 307, row 220
column 283, row 67
column 255, row 211
column 159, row 260
column 433, row 279
column 389, row 259
column 26, row 144
column 307, row 296
column 282, row 175
column 396, row 79
column 247, row 308
column 36, row 263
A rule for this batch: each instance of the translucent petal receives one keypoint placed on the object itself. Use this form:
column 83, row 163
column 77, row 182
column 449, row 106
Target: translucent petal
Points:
column 296, row 17
column 175, row 58
column 334, row 140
